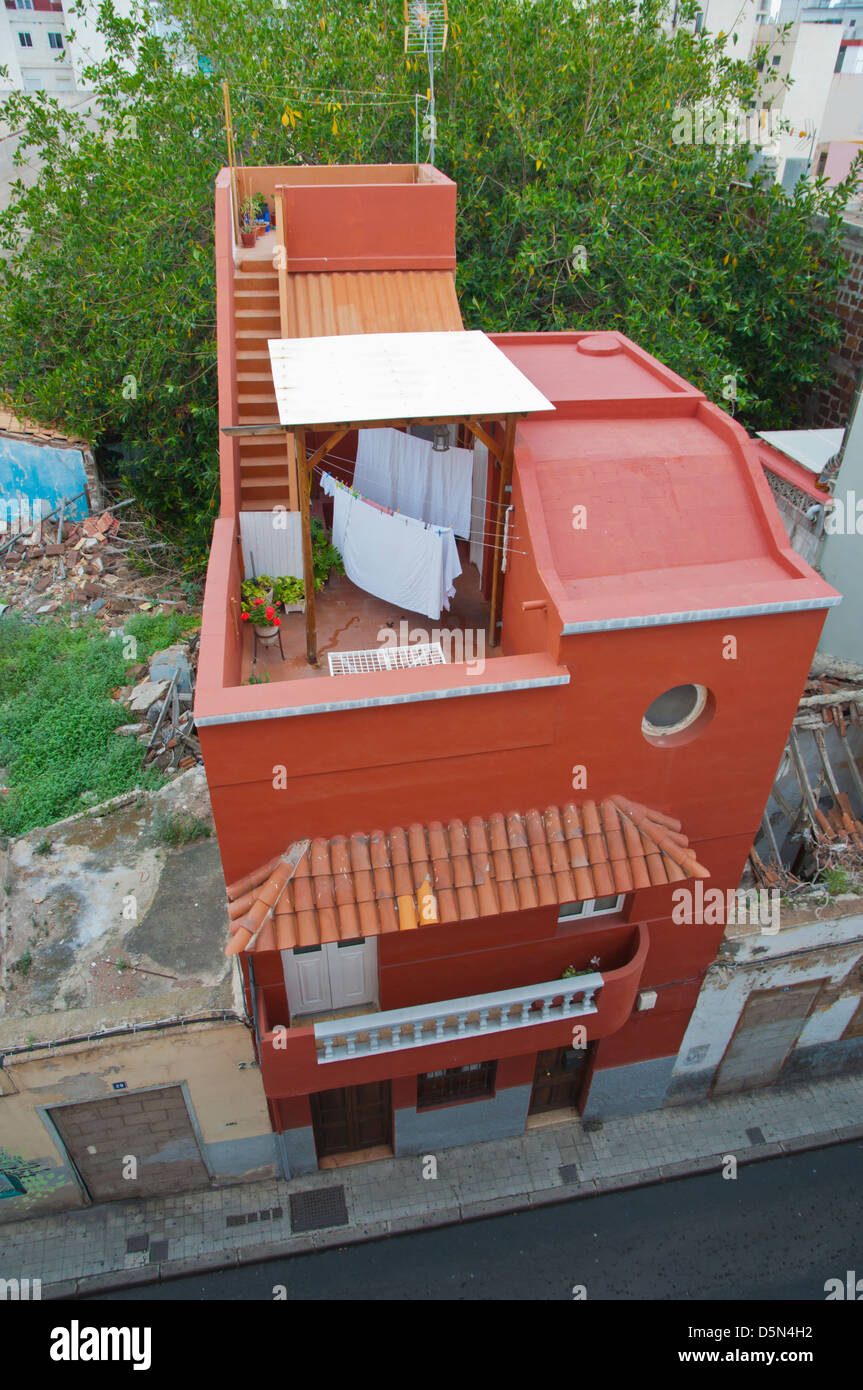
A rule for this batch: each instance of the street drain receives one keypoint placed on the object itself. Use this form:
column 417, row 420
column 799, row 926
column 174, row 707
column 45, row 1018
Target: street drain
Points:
column 569, row 1173
column 324, row 1206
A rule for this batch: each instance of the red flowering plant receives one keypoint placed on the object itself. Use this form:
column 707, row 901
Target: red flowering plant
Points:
column 259, row 607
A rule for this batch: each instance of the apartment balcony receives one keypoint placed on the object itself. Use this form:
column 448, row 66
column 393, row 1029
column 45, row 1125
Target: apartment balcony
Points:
column 478, row 1015
column 376, row 1045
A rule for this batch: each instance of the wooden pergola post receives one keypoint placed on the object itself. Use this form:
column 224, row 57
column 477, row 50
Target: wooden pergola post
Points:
column 506, row 458
column 308, row 566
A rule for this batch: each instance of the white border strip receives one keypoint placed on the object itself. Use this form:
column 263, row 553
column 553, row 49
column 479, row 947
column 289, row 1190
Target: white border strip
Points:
column 412, row 697
column 704, row 615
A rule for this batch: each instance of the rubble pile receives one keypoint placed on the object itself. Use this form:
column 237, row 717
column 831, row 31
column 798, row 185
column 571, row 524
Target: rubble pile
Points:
column 162, row 704
column 87, row 564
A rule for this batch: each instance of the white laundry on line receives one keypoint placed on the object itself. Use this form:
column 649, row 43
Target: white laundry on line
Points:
column 403, row 472
column 394, row 557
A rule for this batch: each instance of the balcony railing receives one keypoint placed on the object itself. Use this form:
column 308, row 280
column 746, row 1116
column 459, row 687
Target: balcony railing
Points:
column 450, row 1019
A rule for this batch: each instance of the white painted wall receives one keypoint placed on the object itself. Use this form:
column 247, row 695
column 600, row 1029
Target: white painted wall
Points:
column 842, row 556
column 793, row 956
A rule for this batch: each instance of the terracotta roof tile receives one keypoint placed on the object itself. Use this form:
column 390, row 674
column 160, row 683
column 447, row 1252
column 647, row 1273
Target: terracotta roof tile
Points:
column 477, row 837
column 403, row 880
column 349, row 922
column 398, row 847
column 590, row 823
column 457, row 838
column 438, row 843
column 329, row 923
column 358, row 886
column 360, row 857
column 497, row 832
column 417, row 843
column 508, row 894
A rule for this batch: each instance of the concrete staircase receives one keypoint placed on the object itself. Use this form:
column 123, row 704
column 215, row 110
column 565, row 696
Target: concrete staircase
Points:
column 264, row 476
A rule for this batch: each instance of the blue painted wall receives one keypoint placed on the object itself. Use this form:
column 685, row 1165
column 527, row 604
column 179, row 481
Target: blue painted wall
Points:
column 39, row 471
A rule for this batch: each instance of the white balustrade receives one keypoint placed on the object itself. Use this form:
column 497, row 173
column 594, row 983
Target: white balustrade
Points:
column 425, row 1024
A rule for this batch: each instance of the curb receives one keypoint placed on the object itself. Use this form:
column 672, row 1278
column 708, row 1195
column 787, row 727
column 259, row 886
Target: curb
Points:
column 339, row 1236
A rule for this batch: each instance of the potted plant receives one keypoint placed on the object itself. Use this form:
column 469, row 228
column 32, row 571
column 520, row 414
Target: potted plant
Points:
column 248, row 222
column 261, row 608
column 262, row 214
column 289, row 592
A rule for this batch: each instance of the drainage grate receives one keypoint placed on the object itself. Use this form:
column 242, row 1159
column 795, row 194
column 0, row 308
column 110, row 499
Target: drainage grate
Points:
column 135, row 1244
column 158, row 1251
column 569, row 1173
column 268, row 1214
column 755, row 1135
column 386, row 659
column 325, row 1206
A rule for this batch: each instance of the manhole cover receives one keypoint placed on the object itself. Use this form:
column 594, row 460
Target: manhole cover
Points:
column 568, row 1173
column 325, row 1206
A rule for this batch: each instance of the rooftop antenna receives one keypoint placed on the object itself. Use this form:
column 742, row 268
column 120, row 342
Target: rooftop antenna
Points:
column 426, row 29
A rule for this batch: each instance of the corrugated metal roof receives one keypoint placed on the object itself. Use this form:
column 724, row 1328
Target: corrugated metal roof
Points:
column 372, row 301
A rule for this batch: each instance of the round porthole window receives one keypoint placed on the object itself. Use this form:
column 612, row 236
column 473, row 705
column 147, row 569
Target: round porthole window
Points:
column 681, row 711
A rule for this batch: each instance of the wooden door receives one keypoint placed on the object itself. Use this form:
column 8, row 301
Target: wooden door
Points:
column 765, row 1034
column 557, row 1079
column 351, row 1118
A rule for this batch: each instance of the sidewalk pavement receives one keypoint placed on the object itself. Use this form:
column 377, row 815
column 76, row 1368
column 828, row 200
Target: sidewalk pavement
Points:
column 120, row 1244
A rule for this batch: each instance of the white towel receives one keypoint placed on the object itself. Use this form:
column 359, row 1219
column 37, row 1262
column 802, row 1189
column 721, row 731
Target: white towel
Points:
column 396, row 558
column 404, row 473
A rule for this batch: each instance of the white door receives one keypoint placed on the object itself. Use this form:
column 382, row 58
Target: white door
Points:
column 340, row 975
column 307, row 980
column 353, row 972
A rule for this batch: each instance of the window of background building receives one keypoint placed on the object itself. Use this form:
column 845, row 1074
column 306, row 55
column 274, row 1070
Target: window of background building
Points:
column 55, row 40
column 25, row 40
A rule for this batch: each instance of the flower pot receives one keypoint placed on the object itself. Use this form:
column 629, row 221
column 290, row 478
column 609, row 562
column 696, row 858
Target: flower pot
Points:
column 267, row 635
column 248, row 238
column 295, row 607
column 261, row 229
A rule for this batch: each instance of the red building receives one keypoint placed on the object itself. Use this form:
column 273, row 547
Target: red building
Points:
column 480, row 929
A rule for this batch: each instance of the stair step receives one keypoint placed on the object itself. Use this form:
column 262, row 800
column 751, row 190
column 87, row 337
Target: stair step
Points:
column 255, row 376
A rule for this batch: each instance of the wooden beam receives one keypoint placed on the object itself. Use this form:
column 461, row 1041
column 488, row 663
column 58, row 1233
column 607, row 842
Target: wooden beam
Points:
column 272, row 428
column 324, row 449
column 308, row 567
column 485, row 438
column 497, row 575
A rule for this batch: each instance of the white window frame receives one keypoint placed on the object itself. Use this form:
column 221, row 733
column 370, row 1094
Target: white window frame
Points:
column 23, row 4
column 589, row 909
column 56, row 47
column 25, row 40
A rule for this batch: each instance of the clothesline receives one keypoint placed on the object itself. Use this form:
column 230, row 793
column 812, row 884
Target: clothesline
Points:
column 475, row 516
column 485, row 525
column 483, row 544
column 341, row 459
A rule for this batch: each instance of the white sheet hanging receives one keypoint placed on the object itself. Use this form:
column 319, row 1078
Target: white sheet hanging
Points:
column 396, row 558
column 404, row 473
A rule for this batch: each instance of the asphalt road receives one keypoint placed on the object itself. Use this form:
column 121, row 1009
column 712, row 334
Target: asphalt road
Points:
column 777, row 1232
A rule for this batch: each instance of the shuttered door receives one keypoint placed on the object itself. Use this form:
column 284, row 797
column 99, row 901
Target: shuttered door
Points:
column 153, row 1127
column 766, row 1032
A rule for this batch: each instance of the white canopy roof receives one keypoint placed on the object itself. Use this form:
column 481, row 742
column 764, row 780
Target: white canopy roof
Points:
column 812, row 448
column 397, row 376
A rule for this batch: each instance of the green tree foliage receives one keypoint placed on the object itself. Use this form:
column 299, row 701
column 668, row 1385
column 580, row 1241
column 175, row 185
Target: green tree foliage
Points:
column 577, row 209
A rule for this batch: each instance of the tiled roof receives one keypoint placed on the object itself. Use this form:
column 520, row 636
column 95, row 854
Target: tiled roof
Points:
column 45, row 434
column 365, row 885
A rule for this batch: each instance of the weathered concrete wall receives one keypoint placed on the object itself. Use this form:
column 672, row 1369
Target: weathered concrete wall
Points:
column 226, row 1101
column 830, row 950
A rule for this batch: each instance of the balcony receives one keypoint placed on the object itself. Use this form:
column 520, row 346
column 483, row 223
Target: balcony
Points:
column 452, row 1032
column 453, row 1019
